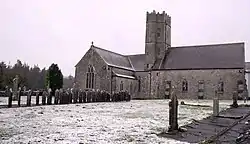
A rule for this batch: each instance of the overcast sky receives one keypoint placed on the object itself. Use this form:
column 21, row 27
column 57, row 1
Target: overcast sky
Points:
column 60, row 31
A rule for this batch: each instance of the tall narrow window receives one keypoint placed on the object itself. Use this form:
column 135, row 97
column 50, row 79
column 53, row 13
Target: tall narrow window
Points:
column 185, row 86
column 121, row 86
column 90, row 77
column 201, row 86
column 221, row 86
column 158, row 32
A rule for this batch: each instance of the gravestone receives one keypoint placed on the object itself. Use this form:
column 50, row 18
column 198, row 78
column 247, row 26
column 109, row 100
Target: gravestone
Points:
column 37, row 97
column 56, row 96
column 19, row 97
column 9, row 95
column 88, row 92
column 61, row 96
column 84, row 94
column 216, row 104
column 108, row 95
column 74, row 95
column 173, row 112
column 44, row 97
column 29, row 98
column 80, row 95
column 49, row 96
column 235, row 98
column 93, row 96
column 70, row 95
column 15, row 88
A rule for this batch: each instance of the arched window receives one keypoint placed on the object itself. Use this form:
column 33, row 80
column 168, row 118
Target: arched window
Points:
column 90, row 77
column 221, row 86
column 184, row 86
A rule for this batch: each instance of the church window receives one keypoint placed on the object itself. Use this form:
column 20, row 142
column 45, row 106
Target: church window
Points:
column 157, row 74
column 201, row 86
column 121, row 86
column 147, row 65
column 221, row 86
column 90, row 77
column 185, row 86
column 158, row 32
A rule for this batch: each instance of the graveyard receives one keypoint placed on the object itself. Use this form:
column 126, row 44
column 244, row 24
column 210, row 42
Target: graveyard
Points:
column 30, row 120
column 96, row 116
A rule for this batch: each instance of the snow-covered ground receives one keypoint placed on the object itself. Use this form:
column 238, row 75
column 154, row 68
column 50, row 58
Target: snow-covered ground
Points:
column 137, row 121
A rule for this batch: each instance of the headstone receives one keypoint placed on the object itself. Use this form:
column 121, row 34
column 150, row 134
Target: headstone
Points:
column 173, row 112
column 216, row 104
column 29, row 98
column 56, row 96
column 44, row 97
column 37, row 97
column 61, row 96
column 235, row 98
column 84, row 94
column 93, row 98
column 15, row 87
column 74, row 96
column 19, row 97
column 89, row 93
column 108, row 95
column 49, row 96
column 9, row 95
column 80, row 95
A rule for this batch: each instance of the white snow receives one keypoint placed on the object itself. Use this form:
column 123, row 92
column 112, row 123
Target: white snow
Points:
column 137, row 121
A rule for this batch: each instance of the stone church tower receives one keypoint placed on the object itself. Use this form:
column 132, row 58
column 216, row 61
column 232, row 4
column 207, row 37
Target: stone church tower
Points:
column 158, row 38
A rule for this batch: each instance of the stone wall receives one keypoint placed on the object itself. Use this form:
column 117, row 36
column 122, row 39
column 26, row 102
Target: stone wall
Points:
column 129, row 85
column 102, row 74
column 209, row 77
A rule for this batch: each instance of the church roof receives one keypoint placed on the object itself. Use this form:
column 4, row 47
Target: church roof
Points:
column 114, row 59
column 217, row 56
column 138, row 61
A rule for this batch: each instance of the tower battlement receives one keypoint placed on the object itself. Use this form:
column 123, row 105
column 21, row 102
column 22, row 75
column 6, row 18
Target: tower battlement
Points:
column 158, row 17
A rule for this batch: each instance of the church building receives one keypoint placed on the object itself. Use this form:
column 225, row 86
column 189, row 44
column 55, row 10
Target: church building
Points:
column 195, row 72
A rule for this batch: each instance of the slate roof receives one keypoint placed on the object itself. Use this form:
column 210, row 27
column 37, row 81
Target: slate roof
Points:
column 138, row 61
column 216, row 56
column 113, row 59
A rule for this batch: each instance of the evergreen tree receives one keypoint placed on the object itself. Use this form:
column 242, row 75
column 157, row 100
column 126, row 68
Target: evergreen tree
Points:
column 54, row 77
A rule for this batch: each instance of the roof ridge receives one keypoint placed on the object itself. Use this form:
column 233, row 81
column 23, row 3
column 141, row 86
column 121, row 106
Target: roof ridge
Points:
column 108, row 51
column 134, row 55
column 217, row 44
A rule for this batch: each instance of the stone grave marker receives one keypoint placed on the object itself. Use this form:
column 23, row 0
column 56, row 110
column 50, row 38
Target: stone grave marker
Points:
column 37, row 97
column 29, row 98
column 173, row 112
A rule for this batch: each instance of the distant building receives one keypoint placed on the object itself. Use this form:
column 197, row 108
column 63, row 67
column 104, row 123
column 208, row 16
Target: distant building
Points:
column 194, row 71
column 247, row 76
